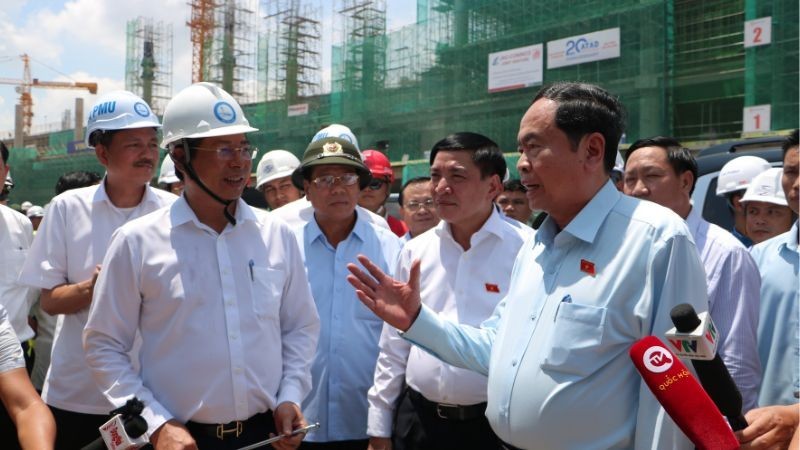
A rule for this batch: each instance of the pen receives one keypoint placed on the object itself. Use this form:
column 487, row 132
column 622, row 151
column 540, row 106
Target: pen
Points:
column 305, row 429
column 567, row 299
column 251, row 264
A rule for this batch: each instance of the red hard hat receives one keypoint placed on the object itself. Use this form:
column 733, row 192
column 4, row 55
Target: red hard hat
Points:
column 378, row 164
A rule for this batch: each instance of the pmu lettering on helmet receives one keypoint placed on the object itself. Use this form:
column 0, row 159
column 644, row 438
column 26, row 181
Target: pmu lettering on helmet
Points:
column 669, row 380
column 684, row 345
column 103, row 108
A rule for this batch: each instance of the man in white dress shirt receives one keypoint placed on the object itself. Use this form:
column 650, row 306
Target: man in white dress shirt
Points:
column 217, row 291
column 471, row 251
column 71, row 243
column 660, row 170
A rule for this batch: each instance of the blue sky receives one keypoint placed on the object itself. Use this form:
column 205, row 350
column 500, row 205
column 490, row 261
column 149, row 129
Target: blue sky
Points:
column 84, row 40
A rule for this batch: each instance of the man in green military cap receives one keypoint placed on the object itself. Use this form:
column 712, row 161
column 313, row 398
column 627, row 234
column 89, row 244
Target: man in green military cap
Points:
column 332, row 174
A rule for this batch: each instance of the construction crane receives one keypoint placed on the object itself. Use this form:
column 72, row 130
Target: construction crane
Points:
column 27, row 82
column 201, row 25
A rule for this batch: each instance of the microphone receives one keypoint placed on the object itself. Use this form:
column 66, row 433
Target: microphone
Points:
column 681, row 396
column 124, row 431
column 697, row 336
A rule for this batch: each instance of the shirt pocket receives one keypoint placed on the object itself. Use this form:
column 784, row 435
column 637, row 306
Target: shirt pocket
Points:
column 268, row 291
column 575, row 339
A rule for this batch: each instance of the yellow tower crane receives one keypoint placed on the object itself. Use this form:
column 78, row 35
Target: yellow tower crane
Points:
column 27, row 82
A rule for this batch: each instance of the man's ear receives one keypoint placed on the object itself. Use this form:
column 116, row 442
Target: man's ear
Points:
column 495, row 187
column 595, row 145
column 686, row 180
column 101, row 151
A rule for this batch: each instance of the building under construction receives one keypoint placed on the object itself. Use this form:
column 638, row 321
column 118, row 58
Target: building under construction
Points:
column 685, row 68
column 148, row 65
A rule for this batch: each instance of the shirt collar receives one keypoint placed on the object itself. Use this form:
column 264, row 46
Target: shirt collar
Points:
column 493, row 225
column 101, row 195
column 694, row 220
column 314, row 232
column 181, row 212
column 791, row 242
column 587, row 223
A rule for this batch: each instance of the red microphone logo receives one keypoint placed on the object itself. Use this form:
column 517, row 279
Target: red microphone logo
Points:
column 657, row 359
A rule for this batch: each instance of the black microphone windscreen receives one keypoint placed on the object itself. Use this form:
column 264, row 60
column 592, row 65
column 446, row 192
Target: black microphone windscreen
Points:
column 135, row 426
column 685, row 318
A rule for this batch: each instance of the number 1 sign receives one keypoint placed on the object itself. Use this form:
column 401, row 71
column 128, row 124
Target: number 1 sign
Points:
column 756, row 118
column 758, row 32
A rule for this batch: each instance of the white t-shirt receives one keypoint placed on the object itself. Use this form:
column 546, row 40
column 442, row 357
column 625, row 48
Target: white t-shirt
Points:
column 16, row 235
column 72, row 239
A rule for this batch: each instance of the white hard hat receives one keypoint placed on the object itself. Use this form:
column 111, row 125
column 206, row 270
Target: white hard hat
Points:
column 167, row 174
column 35, row 211
column 339, row 131
column 619, row 164
column 25, row 206
column 119, row 110
column 203, row 110
column 275, row 164
column 737, row 173
column 766, row 187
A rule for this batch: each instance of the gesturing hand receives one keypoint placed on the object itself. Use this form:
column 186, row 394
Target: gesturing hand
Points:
column 395, row 302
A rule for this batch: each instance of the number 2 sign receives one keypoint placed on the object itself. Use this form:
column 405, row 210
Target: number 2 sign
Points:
column 758, row 32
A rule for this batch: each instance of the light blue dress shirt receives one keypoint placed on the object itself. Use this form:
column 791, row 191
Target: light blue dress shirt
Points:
column 348, row 342
column 733, row 286
column 779, row 327
column 556, row 348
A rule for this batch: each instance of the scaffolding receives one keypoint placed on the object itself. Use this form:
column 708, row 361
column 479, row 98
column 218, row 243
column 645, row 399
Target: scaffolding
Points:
column 148, row 63
column 225, row 39
column 682, row 71
column 293, row 50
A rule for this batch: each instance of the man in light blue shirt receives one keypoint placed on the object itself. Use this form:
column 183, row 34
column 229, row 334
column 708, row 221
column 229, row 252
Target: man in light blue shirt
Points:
column 659, row 169
column 779, row 328
column 603, row 271
column 332, row 175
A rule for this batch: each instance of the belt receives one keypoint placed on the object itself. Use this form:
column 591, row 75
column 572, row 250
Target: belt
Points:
column 230, row 430
column 446, row 410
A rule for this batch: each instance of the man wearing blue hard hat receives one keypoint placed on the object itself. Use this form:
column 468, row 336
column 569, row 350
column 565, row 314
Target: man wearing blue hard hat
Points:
column 64, row 261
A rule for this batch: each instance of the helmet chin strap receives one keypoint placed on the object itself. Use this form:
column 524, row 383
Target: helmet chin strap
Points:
column 193, row 175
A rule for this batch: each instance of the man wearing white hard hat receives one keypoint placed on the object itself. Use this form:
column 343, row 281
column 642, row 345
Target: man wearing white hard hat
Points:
column 216, row 289
column 734, row 178
column 167, row 179
column 274, row 178
column 65, row 258
column 766, row 212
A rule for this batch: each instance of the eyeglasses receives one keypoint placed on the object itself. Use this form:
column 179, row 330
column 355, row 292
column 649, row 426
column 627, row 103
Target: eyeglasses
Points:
column 415, row 206
column 376, row 184
column 327, row 181
column 228, row 153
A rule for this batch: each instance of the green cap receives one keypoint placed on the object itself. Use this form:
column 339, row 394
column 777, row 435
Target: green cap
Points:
column 330, row 151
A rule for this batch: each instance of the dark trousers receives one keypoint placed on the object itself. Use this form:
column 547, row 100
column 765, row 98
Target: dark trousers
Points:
column 75, row 430
column 254, row 429
column 418, row 426
column 8, row 432
column 336, row 445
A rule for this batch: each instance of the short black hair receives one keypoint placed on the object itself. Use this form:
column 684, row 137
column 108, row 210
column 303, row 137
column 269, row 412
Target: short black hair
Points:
column 586, row 108
column 514, row 185
column 76, row 179
column 102, row 137
column 679, row 157
column 414, row 180
column 790, row 142
column 4, row 151
column 486, row 154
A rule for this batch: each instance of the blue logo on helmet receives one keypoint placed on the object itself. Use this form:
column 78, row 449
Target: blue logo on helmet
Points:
column 141, row 109
column 224, row 112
